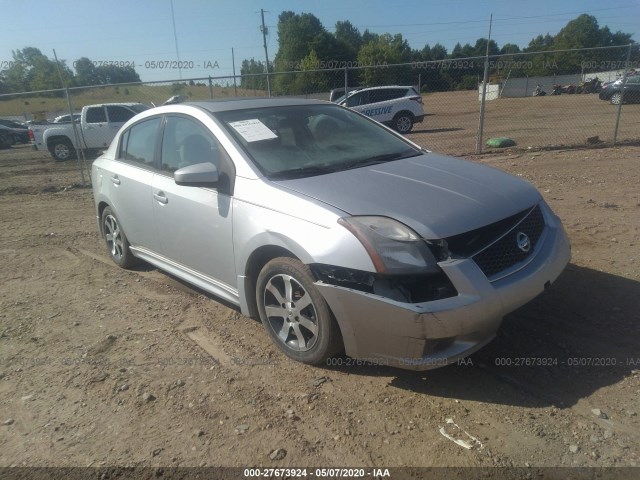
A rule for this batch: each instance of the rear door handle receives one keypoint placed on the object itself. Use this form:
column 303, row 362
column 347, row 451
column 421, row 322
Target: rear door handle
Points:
column 161, row 198
column 115, row 180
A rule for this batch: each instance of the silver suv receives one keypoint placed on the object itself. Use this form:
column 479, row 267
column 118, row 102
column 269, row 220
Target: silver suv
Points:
column 395, row 106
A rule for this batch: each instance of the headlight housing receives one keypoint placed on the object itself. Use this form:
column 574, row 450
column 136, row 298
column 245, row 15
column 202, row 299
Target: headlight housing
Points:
column 393, row 247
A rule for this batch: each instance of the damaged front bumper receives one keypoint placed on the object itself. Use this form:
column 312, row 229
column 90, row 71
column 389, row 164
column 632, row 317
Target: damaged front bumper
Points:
column 423, row 336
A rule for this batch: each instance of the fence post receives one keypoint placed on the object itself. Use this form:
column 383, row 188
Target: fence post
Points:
column 624, row 83
column 346, row 83
column 79, row 150
column 526, row 86
column 484, row 92
column 210, row 88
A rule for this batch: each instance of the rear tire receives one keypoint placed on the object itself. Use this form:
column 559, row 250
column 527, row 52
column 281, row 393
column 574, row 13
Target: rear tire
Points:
column 117, row 243
column 403, row 122
column 295, row 314
column 62, row 149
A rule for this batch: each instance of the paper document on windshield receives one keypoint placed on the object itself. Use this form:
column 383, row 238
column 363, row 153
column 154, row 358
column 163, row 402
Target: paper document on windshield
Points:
column 253, row 130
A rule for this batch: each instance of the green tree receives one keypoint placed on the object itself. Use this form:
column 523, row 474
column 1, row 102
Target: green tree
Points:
column 250, row 75
column 349, row 37
column 310, row 81
column 85, row 72
column 376, row 55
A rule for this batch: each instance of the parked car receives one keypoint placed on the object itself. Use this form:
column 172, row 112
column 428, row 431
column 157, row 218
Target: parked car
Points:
column 395, row 106
column 15, row 135
column 334, row 231
column 6, row 139
column 13, row 124
column 97, row 127
column 613, row 91
column 338, row 93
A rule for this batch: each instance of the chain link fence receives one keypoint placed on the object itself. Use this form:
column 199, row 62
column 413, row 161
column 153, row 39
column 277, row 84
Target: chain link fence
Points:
column 571, row 112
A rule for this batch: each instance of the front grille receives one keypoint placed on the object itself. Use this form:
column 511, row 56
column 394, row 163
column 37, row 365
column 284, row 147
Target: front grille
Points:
column 506, row 253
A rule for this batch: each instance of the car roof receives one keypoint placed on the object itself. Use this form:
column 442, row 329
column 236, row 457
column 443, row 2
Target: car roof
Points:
column 387, row 86
column 226, row 105
column 125, row 104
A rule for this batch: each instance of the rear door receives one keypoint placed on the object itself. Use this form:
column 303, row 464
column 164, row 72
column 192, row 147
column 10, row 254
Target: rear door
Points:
column 632, row 89
column 96, row 128
column 129, row 180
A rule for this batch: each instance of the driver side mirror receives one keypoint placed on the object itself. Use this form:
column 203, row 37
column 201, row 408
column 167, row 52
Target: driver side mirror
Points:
column 198, row 175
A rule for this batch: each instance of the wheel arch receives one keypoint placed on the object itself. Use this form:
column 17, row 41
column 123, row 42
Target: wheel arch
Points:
column 404, row 112
column 255, row 262
column 54, row 138
column 101, row 206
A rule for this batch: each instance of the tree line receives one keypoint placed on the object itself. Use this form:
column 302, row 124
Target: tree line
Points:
column 31, row 70
column 316, row 56
column 306, row 47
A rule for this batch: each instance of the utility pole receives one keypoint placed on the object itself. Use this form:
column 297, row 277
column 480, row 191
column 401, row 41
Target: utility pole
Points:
column 175, row 39
column 233, row 63
column 266, row 53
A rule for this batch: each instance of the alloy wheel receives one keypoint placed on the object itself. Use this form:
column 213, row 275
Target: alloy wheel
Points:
column 291, row 313
column 113, row 237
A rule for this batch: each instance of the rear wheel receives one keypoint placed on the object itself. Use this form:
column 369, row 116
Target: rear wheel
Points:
column 616, row 98
column 294, row 313
column 117, row 243
column 61, row 149
column 403, row 122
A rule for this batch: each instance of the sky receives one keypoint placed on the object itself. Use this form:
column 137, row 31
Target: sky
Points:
column 141, row 32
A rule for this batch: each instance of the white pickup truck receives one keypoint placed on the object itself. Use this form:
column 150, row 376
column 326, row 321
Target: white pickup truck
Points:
column 98, row 125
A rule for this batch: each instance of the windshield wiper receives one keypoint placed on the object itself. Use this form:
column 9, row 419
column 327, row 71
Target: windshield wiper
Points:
column 308, row 171
column 377, row 159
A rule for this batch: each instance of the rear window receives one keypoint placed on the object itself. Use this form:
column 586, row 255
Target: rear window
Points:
column 96, row 115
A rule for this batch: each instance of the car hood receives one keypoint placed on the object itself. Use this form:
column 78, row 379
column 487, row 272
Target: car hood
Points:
column 435, row 195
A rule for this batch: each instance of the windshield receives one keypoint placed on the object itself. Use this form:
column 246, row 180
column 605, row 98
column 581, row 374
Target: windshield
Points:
column 306, row 140
column 139, row 107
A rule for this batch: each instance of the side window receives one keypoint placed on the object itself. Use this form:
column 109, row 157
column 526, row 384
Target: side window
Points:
column 187, row 142
column 119, row 114
column 139, row 142
column 96, row 115
column 361, row 98
column 381, row 95
column 399, row 93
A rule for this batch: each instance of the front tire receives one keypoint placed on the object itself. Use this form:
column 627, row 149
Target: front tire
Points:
column 403, row 122
column 116, row 240
column 616, row 98
column 294, row 313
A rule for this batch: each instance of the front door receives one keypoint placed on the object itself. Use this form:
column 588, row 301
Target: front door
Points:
column 194, row 224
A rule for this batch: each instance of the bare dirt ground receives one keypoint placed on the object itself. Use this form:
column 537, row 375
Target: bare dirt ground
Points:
column 100, row 366
column 451, row 122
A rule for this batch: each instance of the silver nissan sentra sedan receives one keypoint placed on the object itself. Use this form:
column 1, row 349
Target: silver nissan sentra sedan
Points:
column 339, row 234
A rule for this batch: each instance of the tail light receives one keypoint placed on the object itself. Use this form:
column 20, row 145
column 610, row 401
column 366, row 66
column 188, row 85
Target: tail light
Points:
column 32, row 137
column 416, row 99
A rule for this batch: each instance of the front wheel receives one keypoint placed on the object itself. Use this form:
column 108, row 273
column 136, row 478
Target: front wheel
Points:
column 403, row 122
column 117, row 243
column 294, row 313
column 616, row 98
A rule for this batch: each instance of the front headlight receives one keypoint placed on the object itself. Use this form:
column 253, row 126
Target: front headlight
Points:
column 393, row 247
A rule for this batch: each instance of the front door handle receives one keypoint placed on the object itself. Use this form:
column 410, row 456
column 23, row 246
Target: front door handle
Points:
column 115, row 180
column 161, row 198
